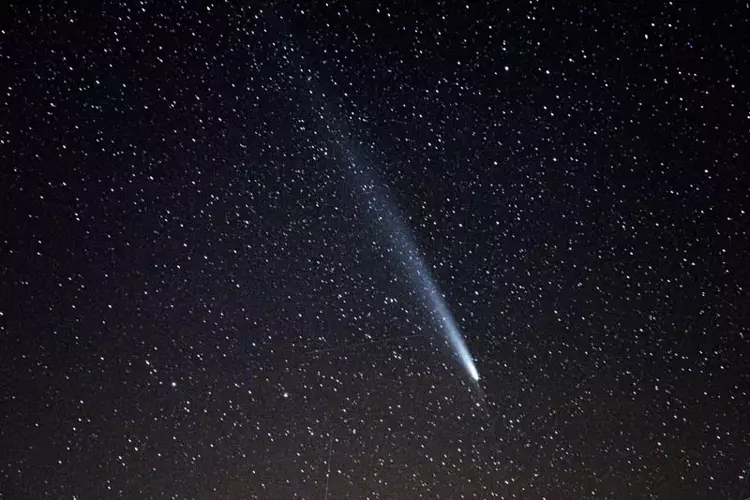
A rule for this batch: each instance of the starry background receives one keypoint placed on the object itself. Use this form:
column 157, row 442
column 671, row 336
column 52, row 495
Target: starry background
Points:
column 195, row 303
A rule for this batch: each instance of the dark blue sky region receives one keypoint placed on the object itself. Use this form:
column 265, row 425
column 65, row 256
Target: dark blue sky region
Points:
column 259, row 250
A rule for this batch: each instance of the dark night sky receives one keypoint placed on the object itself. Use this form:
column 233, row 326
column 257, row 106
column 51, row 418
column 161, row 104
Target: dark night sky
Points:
column 198, row 300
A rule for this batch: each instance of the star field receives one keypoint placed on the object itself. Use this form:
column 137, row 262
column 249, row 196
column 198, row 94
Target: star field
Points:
column 209, row 214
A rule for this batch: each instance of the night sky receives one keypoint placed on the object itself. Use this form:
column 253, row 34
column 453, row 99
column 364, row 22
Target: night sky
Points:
column 242, row 246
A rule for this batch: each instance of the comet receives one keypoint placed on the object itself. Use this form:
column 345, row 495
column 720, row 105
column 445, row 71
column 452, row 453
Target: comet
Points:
column 385, row 215
column 402, row 243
